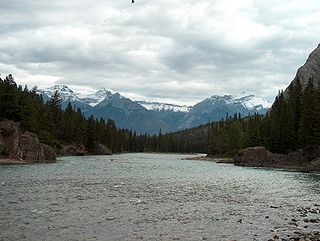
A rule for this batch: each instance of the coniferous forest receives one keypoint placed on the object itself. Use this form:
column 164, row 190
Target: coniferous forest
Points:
column 292, row 123
column 56, row 127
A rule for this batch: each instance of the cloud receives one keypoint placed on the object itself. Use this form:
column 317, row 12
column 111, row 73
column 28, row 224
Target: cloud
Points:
column 164, row 50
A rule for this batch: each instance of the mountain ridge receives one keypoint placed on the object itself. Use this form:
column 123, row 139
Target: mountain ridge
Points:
column 151, row 116
column 310, row 70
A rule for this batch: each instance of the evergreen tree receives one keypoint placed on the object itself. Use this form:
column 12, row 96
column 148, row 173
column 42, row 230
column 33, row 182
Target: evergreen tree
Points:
column 307, row 126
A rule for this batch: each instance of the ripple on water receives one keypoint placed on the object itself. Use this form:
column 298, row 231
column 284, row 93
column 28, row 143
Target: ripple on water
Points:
column 153, row 197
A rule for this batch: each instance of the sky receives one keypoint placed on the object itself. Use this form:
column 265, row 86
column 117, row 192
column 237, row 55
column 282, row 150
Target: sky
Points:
column 176, row 51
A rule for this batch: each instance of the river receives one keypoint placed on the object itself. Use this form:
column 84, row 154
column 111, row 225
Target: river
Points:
column 153, row 197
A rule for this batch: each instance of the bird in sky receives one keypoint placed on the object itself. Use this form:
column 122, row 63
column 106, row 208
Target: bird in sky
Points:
column 132, row 1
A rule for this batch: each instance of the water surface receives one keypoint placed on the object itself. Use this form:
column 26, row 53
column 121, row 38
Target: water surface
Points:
column 151, row 197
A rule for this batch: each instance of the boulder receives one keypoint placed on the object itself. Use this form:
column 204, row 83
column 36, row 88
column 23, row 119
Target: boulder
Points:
column 22, row 147
column 3, row 147
column 10, row 132
column 100, row 149
column 49, row 153
column 73, row 150
column 31, row 148
column 295, row 160
column 256, row 156
column 307, row 159
column 311, row 152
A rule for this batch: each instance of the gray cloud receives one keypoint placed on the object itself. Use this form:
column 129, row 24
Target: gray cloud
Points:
column 170, row 50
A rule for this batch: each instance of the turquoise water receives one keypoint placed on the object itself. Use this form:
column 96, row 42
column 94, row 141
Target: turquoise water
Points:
column 152, row 197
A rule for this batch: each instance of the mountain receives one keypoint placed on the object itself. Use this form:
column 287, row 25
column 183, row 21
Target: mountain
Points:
column 150, row 117
column 129, row 114
column 217, row 107
column 95, row 98
column 157, row 106
column 309, row 71
column 67, row 95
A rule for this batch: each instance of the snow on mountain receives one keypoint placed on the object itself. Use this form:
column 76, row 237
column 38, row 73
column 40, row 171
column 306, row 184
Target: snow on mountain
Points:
column 251, row 102
column 65, row 92
column 95, row 98
column 68, row 95
column 150, row 116
column 156, row 106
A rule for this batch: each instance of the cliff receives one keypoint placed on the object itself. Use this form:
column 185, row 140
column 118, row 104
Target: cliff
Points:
column 309, row 71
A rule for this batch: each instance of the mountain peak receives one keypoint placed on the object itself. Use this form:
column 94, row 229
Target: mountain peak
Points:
column 64, row 91
column 156, row 106
column 61, row 88
column 309, row 71
column 249, row 101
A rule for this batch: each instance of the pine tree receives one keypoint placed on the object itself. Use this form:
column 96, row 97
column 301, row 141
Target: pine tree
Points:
column 307, row 125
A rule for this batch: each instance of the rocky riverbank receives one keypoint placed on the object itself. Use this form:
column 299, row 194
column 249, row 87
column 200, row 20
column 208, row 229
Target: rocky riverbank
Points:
column 303, row 226
column 307, row 159
column 21, row 147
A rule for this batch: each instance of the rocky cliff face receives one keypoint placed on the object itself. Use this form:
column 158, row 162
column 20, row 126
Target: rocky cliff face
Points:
column 309, row 71
column 23, row 146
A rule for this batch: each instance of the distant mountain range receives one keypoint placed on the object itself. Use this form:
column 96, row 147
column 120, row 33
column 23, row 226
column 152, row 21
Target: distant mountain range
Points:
column 150, row 117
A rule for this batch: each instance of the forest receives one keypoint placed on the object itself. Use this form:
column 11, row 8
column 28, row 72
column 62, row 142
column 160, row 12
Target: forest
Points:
column 56, row 127
column 292, row 123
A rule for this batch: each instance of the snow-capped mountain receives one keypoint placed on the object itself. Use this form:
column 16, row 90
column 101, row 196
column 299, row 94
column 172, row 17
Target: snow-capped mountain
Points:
column 149, row 116
column 95, row 98
column 251, row 102
column 65, row 92
column 217, row 107
column 157, row 106
column 68, row 94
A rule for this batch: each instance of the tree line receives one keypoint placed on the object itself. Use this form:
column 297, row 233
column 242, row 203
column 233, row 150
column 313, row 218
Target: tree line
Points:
column 56, row 126
column 292, row 123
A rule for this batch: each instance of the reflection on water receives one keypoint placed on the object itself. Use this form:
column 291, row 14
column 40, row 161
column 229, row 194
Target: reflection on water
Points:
column 150, row 197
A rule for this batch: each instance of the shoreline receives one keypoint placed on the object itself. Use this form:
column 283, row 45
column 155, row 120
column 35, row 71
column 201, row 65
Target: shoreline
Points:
column 8, row 161
column 226, row 160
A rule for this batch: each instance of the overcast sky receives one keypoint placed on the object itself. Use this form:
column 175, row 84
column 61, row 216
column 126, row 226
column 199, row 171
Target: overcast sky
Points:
column 178, row 51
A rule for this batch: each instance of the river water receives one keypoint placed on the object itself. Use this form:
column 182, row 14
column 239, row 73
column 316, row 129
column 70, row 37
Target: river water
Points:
column 152, row 197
